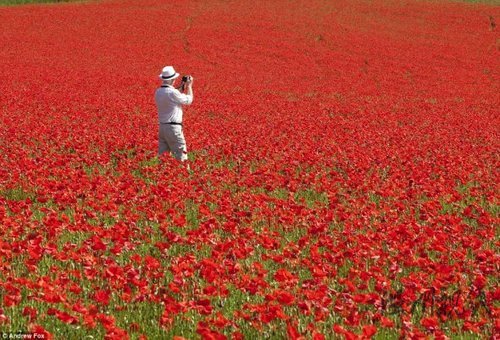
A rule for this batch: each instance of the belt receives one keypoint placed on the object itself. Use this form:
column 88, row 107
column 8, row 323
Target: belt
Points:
column 172, row 123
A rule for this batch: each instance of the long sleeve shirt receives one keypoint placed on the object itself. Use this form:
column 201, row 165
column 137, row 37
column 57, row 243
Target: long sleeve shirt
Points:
column 169, row 103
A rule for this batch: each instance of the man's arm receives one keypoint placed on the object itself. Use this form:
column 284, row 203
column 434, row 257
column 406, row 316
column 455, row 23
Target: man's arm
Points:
column 189, row 84
column 181, row 98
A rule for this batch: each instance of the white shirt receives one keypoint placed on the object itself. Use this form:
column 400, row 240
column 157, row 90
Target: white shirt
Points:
column 169, row 102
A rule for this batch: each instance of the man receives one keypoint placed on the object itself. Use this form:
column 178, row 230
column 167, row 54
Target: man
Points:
column 169, row 101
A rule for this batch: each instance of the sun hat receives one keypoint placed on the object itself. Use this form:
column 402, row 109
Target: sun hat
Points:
column 168, row 73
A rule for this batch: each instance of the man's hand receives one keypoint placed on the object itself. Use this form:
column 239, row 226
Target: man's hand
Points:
column 189, row 84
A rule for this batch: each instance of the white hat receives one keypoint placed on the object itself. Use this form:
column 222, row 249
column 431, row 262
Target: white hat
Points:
column 168, row 73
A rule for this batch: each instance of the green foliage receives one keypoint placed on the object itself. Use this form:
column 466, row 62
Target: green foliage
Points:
column 23, row 2
column 16, row 194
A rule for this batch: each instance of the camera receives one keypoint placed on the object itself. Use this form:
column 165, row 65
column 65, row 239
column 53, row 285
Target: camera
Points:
column 184, row 81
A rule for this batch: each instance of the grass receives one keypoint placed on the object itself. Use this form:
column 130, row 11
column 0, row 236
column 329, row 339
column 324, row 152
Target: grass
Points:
column 483, row 2
column 24, row 2
column 146, row 315
column 142, row 317
column 490, row 2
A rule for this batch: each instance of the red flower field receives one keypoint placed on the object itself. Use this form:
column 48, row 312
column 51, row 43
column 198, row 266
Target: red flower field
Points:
column 344, row 170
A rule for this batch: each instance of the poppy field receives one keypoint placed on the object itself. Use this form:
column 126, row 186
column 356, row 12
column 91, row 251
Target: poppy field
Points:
column 343, row 177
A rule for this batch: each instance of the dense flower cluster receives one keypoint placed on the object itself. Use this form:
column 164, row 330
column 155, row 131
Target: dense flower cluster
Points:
column 344, row 170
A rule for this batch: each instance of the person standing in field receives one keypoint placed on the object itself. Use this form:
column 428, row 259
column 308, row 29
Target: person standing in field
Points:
column 169, row 101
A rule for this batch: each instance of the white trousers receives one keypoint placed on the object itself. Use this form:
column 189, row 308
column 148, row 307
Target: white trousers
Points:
column 171, row 139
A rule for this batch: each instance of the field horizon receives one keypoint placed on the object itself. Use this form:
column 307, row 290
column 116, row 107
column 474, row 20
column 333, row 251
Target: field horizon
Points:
column 27, row 2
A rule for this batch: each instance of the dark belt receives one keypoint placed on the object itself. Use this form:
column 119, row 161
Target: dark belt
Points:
column 172, row 123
